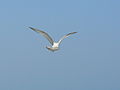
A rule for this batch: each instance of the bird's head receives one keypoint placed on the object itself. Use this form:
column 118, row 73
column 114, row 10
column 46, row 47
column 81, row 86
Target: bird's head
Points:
column 48, row 47
column 51, row 48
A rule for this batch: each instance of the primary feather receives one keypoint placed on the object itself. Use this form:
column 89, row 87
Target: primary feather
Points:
column 66, row 36
column 44, row 34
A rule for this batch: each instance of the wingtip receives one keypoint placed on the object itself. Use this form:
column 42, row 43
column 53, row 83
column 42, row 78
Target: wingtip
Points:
column 74, row 32
column 30, row 27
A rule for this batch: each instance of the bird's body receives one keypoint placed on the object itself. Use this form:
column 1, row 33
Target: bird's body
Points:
column 55, row 45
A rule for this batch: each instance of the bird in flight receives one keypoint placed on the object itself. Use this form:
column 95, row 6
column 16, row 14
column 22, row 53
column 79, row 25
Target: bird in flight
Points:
column 55, row 45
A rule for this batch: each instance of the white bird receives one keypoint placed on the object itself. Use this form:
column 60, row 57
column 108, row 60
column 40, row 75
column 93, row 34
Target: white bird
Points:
column 55, row 45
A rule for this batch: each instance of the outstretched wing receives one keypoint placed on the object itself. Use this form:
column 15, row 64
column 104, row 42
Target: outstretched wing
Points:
column 44, row 34
column 66, row 36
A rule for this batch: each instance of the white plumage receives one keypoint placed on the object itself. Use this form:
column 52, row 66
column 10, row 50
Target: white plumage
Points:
column 55, row 45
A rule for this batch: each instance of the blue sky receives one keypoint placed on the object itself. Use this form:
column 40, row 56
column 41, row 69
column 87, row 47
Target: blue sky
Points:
column 88, row 60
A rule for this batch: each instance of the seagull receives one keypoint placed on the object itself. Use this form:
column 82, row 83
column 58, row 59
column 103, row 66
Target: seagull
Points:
column 55, row 45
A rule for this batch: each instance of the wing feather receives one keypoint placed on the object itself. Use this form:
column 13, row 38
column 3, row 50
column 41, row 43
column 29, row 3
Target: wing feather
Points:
column 44, row 34
column 66, row 36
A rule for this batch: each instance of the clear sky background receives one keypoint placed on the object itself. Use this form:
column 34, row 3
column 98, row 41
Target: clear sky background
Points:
column 88, row 60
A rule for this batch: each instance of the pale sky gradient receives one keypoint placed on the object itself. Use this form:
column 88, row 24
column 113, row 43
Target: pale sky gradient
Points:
column 88, row 60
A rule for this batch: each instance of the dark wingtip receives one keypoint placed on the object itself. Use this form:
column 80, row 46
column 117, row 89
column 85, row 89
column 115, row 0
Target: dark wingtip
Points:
column 75, row 32
column 30, row 27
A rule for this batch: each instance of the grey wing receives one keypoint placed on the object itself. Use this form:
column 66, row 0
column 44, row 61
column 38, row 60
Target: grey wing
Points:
column 66, row 36
column 44, row 34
